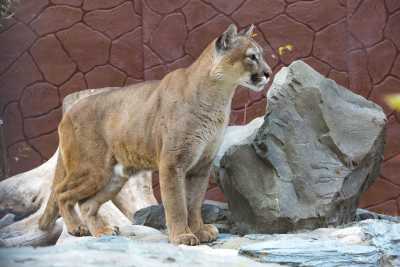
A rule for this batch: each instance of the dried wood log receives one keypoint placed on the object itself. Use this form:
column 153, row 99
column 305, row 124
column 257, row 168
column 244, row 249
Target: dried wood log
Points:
column 137, row 194
column 25, row 195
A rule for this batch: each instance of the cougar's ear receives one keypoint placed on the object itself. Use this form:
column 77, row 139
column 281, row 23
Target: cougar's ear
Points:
column 247, row 32
column 226, row 40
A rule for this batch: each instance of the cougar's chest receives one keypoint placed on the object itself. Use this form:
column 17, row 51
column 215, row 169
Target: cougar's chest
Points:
column 216, row 133
column 211, row 149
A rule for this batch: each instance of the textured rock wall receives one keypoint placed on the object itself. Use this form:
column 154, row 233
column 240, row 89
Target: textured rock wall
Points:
column 55, row 47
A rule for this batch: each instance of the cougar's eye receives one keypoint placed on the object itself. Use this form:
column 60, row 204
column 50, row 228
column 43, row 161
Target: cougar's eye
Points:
column 253, row 57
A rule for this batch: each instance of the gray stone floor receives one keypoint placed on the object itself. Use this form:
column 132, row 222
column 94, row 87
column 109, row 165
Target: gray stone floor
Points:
column 369, row 243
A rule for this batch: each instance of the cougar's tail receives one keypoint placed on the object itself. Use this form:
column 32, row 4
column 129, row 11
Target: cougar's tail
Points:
column 50, row 215
column 67, row 151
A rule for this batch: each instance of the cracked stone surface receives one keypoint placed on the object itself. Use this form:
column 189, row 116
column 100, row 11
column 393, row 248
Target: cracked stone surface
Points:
column 368, row 243
column 64, row 43
column 124, row 252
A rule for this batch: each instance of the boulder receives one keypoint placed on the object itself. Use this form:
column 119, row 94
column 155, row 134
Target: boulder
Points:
column 212, row 211
column 363, row 214
column 306, row 163
column 152, row 216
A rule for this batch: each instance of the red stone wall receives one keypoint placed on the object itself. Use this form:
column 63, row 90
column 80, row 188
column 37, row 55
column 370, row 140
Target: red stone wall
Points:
column 52, row 48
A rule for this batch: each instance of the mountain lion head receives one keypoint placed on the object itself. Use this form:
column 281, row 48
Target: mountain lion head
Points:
column 239, row 58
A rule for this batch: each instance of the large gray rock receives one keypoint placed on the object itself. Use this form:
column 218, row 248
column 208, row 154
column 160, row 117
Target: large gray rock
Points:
column 306, row 164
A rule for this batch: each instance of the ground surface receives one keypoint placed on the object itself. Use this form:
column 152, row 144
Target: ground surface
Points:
column 368, row 243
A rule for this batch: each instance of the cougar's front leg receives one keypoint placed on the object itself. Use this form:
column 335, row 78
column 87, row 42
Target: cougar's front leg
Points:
column 172, row 185
column 196, row 187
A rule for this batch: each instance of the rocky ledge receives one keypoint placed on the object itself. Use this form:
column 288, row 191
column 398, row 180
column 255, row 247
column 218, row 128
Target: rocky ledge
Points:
column 367, row 243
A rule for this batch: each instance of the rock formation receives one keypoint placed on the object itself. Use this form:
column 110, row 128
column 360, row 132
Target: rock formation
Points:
column 307, row 162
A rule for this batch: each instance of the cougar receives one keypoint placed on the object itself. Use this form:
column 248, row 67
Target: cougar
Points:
column 175, row 126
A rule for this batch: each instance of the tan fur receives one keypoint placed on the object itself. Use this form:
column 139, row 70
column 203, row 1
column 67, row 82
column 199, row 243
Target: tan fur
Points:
column 174, row 126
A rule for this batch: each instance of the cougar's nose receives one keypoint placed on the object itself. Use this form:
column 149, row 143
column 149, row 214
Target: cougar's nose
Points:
column 267, row 72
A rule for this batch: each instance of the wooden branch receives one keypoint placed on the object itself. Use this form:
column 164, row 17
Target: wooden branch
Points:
column 136, row 194
column 24, row 193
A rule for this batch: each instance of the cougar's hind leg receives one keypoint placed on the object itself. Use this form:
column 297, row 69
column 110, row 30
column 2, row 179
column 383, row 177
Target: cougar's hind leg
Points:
column 87, row 161
column 89, row 207
column 71, row 219
column 68, row 196
column 75, row 174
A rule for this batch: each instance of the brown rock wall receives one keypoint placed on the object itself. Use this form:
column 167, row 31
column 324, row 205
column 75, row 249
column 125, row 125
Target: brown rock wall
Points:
column 55, row 47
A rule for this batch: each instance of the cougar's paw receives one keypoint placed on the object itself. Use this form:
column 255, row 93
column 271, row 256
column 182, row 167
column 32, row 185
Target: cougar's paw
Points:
column 80, row 230
column 185, row 239
column 45, row 223
column 207, row 233
column 107, row 230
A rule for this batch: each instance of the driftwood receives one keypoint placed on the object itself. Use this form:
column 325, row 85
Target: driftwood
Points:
column 23, row 197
